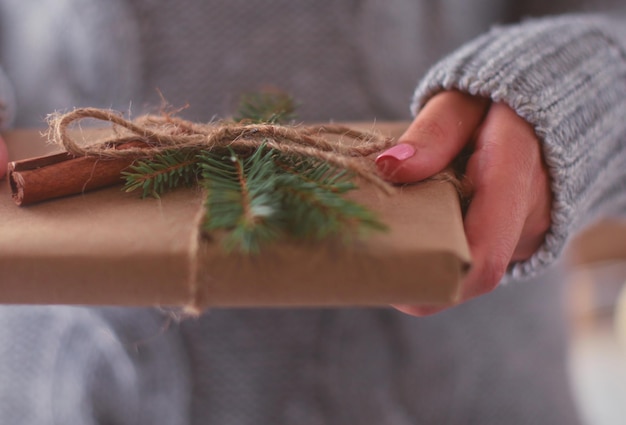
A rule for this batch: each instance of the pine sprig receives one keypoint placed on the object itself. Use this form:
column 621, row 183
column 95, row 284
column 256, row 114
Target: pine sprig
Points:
column 259, row 197
column 268, row 196
column 313, row 195
column 317, row 172
column 242, row 199
column 270, row 106
column 165, row 171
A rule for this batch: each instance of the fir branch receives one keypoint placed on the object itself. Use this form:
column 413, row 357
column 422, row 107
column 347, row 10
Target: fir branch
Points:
column 314, row 203
column 258, row 197
column 321, row 173
column 242, row 199
column 165, row 171
column 268, row 195
column 269, row 107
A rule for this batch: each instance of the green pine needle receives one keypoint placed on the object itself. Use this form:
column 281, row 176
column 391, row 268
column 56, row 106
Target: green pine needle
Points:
column 313, row 196
column 271, row 107
column 261, row 199
column 242, row 198
column 165, row 171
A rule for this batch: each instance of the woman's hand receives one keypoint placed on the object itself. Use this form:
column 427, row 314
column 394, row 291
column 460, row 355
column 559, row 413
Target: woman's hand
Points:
column 509, row 212
column 4, row 157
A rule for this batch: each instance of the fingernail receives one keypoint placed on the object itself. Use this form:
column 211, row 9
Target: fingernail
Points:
column 399, row 152
column 389, row 159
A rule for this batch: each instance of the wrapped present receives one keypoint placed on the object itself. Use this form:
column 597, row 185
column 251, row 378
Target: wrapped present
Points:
column 108, row 247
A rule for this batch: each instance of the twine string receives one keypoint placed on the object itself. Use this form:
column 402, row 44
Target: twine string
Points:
column 338, row 145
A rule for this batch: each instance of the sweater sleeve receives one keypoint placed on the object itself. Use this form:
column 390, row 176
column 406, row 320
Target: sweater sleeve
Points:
column 567, row 77
column 7, row 102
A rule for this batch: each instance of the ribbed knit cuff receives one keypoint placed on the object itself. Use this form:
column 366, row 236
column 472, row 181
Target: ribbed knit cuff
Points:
column 7, row 102
column 567, row 77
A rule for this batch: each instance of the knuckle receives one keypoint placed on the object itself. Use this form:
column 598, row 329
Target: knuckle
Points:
column 432, row 130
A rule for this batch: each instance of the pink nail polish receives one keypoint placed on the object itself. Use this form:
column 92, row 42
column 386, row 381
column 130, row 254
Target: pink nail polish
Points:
column 399, row 152
column 388, row 161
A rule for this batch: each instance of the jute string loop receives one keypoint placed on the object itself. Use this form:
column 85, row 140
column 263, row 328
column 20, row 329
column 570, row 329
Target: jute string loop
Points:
column 338, row 145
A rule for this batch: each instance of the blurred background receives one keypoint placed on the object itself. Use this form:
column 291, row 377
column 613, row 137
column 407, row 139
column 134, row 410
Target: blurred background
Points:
column 597, row 311
column 71, row 69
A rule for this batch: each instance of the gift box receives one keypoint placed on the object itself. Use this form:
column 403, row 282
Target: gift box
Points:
column 108, row 247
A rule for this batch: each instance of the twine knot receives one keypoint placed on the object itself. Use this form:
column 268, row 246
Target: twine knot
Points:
column 338, row 145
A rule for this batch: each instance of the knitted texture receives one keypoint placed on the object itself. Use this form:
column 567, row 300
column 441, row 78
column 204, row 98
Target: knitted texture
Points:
column 567, row 77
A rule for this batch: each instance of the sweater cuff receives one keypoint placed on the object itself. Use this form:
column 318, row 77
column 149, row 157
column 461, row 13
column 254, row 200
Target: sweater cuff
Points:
column 7, row 102
column 567, row 77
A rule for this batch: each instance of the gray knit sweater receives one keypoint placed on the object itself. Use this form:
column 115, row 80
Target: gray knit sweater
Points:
column 499, row 359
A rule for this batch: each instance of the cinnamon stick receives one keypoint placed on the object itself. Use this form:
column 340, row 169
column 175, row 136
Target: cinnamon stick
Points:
column 53, row 176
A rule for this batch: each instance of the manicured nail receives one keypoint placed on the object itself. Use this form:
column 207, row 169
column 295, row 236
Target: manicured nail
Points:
column 399, row 152
column 388, row 160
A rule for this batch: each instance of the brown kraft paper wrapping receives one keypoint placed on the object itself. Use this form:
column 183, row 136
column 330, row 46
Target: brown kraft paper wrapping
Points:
column 109, row 247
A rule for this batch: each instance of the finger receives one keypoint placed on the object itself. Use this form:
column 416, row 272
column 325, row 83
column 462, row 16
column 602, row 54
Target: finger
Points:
column 4, row 157
column 505, row 166
column 539, row 220
column 439, row 132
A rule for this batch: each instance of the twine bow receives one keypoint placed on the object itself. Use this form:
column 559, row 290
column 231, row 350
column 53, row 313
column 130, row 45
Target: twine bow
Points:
column 337, row 145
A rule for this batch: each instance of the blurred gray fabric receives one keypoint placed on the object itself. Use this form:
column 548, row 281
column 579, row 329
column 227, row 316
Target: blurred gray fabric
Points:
column 76, row 365
column 499, row 359
column 496, row 360
column 348, row 60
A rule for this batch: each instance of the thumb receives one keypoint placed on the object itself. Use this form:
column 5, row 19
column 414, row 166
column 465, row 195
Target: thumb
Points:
column 436, row 136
